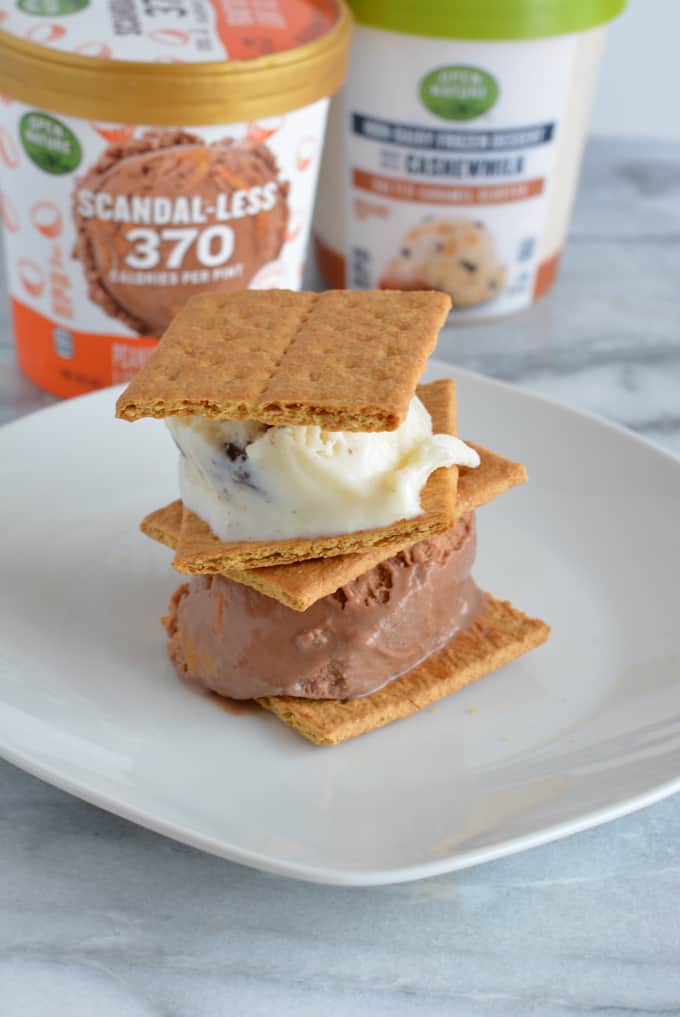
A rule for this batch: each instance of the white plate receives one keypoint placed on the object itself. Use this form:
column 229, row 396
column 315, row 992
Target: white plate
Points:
column 585, row 729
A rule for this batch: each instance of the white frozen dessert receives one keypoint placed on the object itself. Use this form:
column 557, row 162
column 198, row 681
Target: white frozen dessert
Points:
column 253, row 482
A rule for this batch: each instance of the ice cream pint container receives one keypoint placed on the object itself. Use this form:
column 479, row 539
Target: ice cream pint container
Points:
column 452, row 154
column 150, row 150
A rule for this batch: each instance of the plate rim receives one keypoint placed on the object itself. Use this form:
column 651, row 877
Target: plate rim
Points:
column 329, row 875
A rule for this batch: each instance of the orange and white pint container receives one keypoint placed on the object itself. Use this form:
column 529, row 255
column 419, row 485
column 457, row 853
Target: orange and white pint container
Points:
column 452, row 154
column 150, row 150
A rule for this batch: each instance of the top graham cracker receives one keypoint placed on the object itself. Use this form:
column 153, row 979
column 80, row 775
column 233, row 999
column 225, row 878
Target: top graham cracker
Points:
column 345, row 360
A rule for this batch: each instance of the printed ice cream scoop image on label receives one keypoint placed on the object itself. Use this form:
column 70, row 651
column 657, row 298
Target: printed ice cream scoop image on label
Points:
column 9, row 154
column 115, row 134
column 31, row 276
column 9, row 217
column 406, row 271
column 46, row 218
column 296, row 224
column 101, row 50
column 164, row 215
column 464, row 264
column 45, row 34
column 456, row 256
column 271, row 277
column 170, row 37
column 306, row 153
column 263, row 132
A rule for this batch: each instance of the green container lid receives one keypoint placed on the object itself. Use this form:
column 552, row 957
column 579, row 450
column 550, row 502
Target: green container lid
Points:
column 485, row 19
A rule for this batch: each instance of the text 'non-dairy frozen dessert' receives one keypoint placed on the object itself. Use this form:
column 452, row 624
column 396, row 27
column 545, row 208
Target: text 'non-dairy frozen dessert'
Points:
column 229, row 638
column 148, row 154
column 452, row 153
column 253, row 482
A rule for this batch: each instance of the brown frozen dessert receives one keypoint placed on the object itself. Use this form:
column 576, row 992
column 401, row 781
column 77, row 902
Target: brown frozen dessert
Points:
column 164, row 215
column 230, row 639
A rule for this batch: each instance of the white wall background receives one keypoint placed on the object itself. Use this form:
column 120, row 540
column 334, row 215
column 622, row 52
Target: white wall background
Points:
column 639, row 90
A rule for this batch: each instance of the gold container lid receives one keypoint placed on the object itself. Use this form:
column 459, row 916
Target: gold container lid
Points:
column 212, row 62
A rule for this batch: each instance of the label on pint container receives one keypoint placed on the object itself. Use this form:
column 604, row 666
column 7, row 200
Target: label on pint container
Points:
column 111, row 228
column 168, row 31
column 450, row 160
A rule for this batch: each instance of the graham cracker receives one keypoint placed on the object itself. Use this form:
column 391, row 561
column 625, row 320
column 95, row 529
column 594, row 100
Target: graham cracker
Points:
column 163, row 524
column 199, row 550
column 498, row 636
column 494, row 476
column 301, row 584
column 346, row 360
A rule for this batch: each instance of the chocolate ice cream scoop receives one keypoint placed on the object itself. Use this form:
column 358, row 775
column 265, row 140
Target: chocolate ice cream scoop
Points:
column 164, row 216
column 230, row 639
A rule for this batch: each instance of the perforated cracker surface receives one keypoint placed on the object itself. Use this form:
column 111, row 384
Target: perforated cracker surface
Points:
column 346, row 360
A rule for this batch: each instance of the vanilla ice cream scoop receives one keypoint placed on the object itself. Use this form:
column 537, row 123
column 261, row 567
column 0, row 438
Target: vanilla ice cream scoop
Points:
column 252, row 482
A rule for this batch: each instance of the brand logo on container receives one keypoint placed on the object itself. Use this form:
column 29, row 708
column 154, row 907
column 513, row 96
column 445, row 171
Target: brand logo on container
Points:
column 49, row 143
column 459, row 92
column 51, row 8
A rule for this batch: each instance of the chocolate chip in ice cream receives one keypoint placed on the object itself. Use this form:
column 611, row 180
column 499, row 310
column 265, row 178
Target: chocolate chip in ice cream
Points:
column 234, row 451
column 243, row 476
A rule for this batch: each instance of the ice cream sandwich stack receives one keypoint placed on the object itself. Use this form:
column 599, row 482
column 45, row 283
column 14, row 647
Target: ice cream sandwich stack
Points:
column 326, row 512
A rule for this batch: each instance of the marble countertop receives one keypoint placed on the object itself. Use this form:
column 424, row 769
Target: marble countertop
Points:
column 99, row 918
